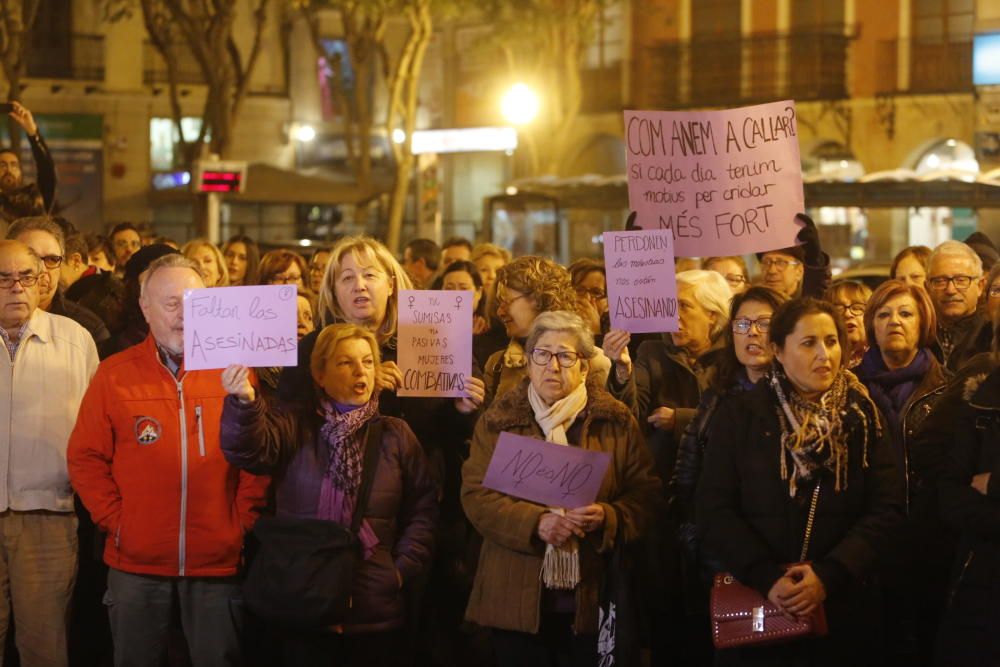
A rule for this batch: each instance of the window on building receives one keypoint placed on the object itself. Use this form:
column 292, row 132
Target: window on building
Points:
column 818, row 14
column 941, row 50
column 164, row 142
column 608, row 44
column 716, row 51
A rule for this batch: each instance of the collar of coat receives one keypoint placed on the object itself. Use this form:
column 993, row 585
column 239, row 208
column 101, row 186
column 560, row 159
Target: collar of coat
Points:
column 513, row 409
column 983, row 390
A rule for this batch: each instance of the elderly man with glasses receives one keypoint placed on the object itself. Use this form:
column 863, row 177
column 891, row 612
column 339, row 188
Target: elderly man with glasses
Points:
column 955, row 282
column 46, row 239
column 49, row 361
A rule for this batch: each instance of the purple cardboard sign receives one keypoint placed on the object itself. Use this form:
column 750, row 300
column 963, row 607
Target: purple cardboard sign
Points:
column 252, row 326
column 642, row 288
column 434, row 342
column 546, row 473
column 725, row 182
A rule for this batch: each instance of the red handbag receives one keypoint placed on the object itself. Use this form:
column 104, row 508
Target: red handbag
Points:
column 743, row 617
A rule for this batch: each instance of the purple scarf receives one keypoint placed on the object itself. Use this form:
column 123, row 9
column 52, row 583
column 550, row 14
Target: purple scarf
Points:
column 891, row 389
column 343, row 434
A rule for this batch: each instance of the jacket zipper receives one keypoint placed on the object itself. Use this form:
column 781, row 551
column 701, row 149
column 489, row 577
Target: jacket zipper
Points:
column 201, row 431
column 961, row 576
column 906, row 448
column 182, row 539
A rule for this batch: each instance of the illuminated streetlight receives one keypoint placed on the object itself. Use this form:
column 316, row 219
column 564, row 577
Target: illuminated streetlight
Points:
column 520, row 104
column 304, row 133
column 398, row 136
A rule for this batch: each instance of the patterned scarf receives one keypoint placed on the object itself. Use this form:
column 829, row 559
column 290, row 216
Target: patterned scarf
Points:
column 814, row 435
column 342, row 478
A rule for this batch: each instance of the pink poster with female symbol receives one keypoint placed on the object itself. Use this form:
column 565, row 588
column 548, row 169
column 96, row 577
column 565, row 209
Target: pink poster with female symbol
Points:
column 724, row 182
column 434, row 342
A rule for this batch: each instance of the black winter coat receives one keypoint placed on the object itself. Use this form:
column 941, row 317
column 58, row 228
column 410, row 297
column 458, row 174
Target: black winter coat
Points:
column 747, row 519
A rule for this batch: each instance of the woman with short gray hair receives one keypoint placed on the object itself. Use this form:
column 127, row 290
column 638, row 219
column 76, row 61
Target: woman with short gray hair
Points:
column 540, row 569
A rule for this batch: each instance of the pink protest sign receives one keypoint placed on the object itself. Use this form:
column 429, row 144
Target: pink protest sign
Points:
column 434, row 342
column 642, row 289
column 546, row 473
column 253, row 326
column 724, row 182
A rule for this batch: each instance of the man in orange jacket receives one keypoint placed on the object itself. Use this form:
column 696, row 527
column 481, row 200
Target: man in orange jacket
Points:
column 145, row 459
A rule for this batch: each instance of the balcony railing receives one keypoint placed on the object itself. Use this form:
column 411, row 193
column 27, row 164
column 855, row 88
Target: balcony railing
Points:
column 730, row 71
column 79, row 57
column 935, row 67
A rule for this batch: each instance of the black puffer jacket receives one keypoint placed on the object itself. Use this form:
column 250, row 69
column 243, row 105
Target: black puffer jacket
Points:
column 747, row 519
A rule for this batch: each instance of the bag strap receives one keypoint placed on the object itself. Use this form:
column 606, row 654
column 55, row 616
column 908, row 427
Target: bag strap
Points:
column 809, row 521
column 373, row 442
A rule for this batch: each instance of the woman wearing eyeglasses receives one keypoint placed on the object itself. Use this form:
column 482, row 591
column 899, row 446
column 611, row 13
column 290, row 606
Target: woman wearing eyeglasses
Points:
column 525, row 288
column 850, row 298
column 904, row 380
column 733, row 269
column 540, row 569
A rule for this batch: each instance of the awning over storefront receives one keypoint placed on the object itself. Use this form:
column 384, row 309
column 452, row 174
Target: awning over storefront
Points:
column 267, row 184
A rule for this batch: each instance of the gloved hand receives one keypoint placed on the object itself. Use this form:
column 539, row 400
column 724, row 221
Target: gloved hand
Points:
column 808, row 237
column 630, row 224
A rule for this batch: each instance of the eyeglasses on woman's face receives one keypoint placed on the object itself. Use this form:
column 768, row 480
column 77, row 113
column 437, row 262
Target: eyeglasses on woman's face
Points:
column 543, row 357
column 857, row 309
column 741, row 325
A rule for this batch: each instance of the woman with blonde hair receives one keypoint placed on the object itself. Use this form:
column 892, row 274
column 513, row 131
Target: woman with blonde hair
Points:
column 210, row 262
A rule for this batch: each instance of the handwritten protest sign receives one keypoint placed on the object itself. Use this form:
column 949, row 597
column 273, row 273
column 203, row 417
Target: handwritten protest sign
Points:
column 546, row 473
column 642, row 290
column 724, row 182
column 253, row 326
column 435, row 342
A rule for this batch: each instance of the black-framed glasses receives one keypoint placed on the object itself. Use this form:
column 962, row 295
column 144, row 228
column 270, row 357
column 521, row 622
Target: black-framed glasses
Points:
column 779, row 264
column 542, row 357
column 857, row 309
column 505, row 303
column 741, row 325
column 27, row 280
column 593, row 292
column 735, row 279
column 52, row 261
column 961, row 283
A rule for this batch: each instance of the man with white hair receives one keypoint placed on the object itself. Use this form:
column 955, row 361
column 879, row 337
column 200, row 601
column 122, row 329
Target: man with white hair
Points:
column 955, row 282
column 48, row 361
column 145, row 458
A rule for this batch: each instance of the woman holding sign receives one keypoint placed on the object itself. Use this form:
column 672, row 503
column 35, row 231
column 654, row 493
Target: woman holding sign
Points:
column 540, row 568
column 318, row 455
column 800, row 496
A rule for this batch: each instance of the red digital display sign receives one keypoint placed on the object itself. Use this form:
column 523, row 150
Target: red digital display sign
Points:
column 220, row 181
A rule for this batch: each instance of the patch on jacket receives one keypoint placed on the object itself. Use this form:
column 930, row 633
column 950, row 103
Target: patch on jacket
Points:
column 972, row 386
column 147, row 430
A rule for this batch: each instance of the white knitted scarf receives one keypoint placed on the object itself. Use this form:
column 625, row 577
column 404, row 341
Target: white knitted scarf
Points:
column 561, row 565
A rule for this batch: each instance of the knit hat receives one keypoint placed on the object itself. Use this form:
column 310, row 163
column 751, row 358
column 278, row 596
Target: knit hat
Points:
column 985, row 248
column 145, row 256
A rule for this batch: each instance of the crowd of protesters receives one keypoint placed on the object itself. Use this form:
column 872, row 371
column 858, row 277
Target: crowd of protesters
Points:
column 132, row 486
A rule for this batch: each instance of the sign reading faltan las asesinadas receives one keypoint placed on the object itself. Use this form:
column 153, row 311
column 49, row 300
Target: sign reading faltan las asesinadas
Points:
column 724, row 182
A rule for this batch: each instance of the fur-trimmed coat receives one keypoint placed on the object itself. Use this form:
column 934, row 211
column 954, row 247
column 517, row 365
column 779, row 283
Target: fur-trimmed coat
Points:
column 507, row 592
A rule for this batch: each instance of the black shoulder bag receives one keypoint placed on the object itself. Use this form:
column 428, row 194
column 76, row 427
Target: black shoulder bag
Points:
column 303, row 571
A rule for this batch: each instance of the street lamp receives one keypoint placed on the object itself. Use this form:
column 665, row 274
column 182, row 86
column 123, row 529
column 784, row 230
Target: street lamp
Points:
column 304, row 133
column 520, row 104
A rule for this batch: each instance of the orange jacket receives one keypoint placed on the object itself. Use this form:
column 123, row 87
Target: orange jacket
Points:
column 144, row 457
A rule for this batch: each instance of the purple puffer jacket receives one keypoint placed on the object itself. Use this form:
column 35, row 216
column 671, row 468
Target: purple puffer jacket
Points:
column 402, row 509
